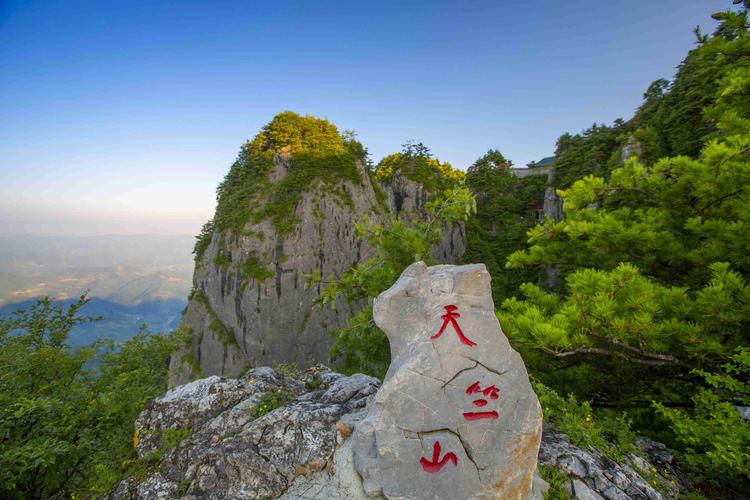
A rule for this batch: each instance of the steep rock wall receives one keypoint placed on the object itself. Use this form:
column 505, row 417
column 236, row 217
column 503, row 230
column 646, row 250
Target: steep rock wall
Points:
column 245, row 312
column 408, row 199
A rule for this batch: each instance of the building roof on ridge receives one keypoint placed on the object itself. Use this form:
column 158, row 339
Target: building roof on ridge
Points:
column 549, row 160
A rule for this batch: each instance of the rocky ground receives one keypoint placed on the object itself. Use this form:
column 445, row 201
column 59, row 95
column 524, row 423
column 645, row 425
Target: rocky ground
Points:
column 270, row 435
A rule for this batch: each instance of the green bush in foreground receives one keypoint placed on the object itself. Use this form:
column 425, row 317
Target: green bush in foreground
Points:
column 67, row 429
column 715, row 436
column 611, row 434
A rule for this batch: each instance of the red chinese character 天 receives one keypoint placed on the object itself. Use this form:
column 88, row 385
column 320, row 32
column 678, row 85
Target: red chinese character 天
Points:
column 491, row 392
column 450, row 317
column 437, row 463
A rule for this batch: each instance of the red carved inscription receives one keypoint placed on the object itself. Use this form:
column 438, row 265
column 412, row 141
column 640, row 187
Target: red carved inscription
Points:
column 437, row 463
column 490, row 392
column 450, row 317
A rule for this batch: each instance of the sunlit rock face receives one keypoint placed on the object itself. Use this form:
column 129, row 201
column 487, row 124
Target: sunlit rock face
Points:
column 237, row 321
column 271, row 320
column 456, row 416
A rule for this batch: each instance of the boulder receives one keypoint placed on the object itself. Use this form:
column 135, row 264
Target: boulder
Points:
column 456, row 416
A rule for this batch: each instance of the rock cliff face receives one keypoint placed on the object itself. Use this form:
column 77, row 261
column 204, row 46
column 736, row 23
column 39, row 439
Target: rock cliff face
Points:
column 408, row 199
column 553, row 204
column 239, row 320
column 250, row 306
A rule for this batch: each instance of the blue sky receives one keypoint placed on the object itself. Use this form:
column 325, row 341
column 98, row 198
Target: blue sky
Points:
column 122, row 117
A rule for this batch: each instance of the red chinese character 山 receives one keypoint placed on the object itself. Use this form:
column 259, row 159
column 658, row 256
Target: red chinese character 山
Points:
column 491, row 392
column 437, row 463
column 450, row 317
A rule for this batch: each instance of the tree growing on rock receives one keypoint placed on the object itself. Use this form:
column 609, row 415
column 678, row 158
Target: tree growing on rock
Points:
column 655, row 292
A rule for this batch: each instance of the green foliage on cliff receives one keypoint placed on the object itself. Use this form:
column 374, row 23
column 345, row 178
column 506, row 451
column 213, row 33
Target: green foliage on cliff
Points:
column 203, row 240
column 504, row 215
column 223, row 333
column 253, row 268
column 415, row 162
column 361, row 346
column 306, row 152
column 587, row 153
column 67, row 429
column 313, row 152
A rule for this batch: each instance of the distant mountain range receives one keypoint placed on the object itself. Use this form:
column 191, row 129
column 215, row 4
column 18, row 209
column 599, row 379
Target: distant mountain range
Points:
column 119, row 322
column 122, row 269
column 131, row 279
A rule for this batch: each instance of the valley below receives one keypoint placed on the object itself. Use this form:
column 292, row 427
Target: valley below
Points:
column 132, row 280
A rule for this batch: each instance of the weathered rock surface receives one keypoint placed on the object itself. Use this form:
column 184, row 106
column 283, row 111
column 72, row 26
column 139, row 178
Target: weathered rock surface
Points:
column 744, row 412
column 456, row 416
column 303, row 449
column 595, row 476
column 226, row 453
column 237, row 321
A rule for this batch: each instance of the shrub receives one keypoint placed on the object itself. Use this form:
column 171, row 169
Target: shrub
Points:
column 67, row 429
column 715, row 436
column 610, row 434
column 270, row 401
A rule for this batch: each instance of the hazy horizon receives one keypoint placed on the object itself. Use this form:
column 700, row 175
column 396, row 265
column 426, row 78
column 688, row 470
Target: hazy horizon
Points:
column 123, row 118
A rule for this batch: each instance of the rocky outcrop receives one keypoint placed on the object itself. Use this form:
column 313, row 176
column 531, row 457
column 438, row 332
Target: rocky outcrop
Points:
column 553, row 204
column 228, row 448
column 250, row 305
column 456, row 416
column 593, row 475
column 270, row 435
column 631, row 148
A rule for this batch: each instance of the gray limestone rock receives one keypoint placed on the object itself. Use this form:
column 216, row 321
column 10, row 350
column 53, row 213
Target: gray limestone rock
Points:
column 236, row 320
column 631, row 148
column 341, row 482
column 553, row 204
column 226, row 453
column 456, row 416
column 583, row 492
column 744, row 412
column 595, row 476
column 304, row 448
column 408, row 200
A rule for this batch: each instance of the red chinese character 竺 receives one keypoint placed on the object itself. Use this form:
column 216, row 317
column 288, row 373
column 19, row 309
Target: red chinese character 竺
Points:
column 450, row 317
column 437, row 463
column 491, row 392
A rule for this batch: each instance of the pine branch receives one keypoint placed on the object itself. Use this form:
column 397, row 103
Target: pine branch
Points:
column 605, row 352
